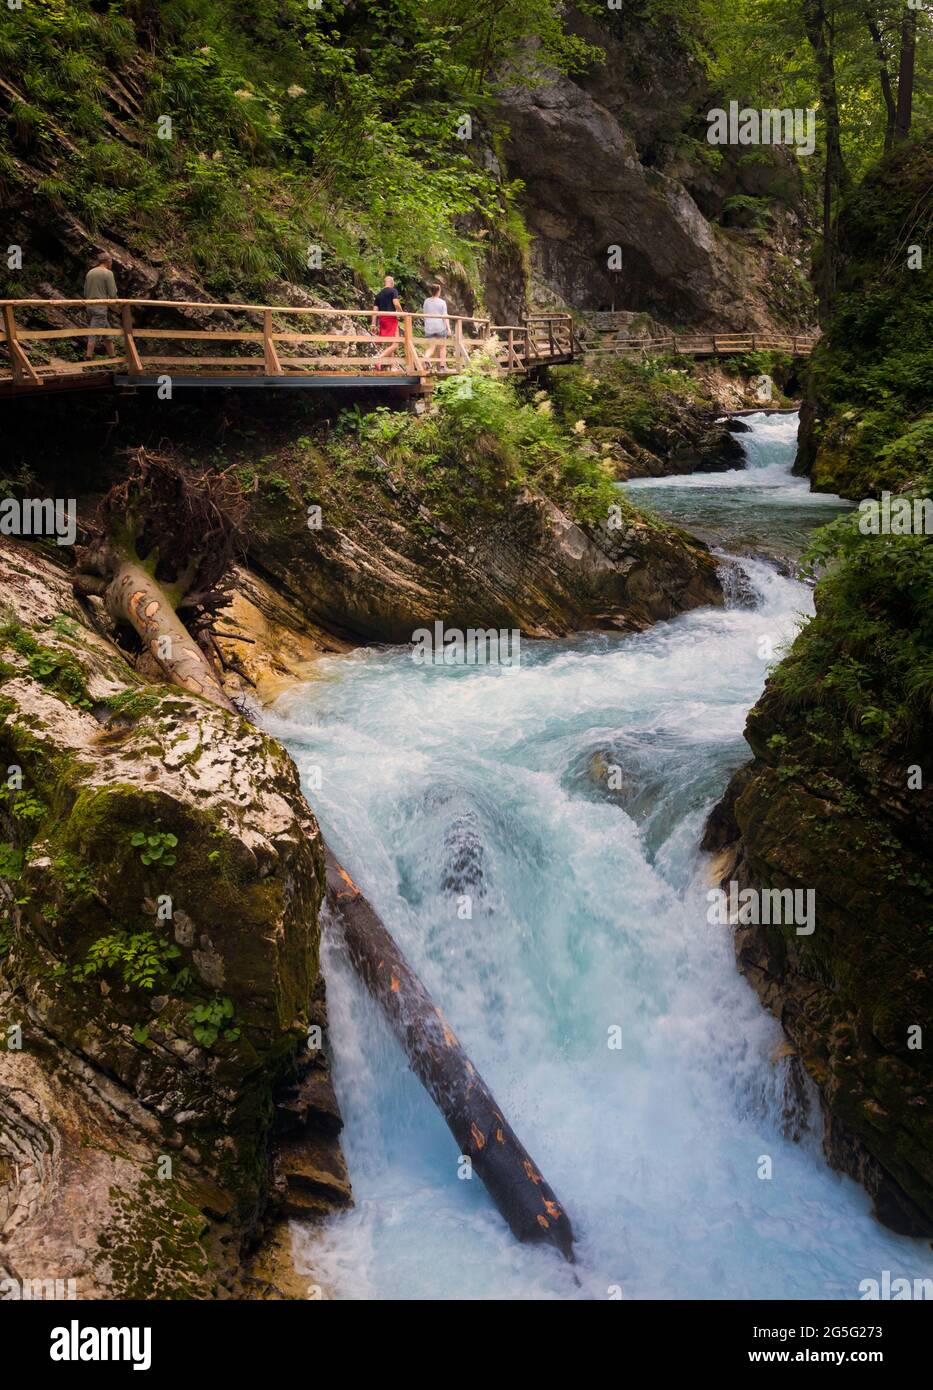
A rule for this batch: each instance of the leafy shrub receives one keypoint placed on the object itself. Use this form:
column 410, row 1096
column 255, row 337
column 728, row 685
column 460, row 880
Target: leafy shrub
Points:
column 867, row 656
column 139, row 959
column 155, row 848
column 211, row 1019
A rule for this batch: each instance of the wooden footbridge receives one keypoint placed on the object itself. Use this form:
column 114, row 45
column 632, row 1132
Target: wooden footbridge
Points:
column 608, row 339
column 258, row 345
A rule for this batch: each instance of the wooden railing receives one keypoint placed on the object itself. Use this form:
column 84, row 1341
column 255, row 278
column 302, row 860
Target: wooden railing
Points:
column 282, row 340
column 704, row 344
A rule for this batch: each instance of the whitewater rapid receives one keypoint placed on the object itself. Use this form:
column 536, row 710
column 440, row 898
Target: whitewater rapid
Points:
column 589, row 906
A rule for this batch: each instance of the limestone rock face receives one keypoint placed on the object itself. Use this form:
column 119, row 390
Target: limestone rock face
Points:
column 532, row 568
column 163, row 875
column 597, row 153
column 848, row 995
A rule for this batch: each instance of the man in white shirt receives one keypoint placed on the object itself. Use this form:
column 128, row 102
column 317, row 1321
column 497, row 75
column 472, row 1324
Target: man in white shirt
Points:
column 436, row 327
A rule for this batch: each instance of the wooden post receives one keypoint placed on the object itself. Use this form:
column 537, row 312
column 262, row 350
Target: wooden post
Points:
column 20, row 365
column 527, row 345
column 460, row 354
column 134, row 365
column 412, row 362
column 273, row 365
column 715, row 346
column 754, row 340
column 550, row 337
column 510, row 351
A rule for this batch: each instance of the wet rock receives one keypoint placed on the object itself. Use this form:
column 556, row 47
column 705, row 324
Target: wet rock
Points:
column 528, row 567
column 244, row 882
column 738, row 588
column 464, row 855
column 802, row 815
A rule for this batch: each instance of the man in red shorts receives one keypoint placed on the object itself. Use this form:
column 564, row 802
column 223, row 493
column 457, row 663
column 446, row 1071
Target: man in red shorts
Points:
column 385, row 317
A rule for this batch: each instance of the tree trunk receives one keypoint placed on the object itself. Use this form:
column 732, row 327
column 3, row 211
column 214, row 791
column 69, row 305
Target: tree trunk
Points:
column 527, row 1203
column 884, row 77
column 133, row 596
column 821, row 35
column 905, row 74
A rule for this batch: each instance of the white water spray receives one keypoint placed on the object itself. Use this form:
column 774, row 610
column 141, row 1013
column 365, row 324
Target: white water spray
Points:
column 447, row 785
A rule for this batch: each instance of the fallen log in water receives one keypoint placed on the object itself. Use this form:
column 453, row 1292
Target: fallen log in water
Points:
column 134, row 595
column 528, row 1204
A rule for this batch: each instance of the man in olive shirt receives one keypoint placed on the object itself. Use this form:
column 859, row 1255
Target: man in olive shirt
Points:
column 100, row 284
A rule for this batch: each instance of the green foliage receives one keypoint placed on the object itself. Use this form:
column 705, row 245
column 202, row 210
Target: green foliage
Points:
column 339, row 127
column 134, row 703
column 757, row 363
column 872, row 373
column 11, row 862
column 632, row 398
column 480, row 444
column 57, row 670
column 73, row 875
column 211, row 1019
column 865, row 662
column 758, row 52
column 139, row 959
column 155, row 847
column 744, row 210
column 27, row 808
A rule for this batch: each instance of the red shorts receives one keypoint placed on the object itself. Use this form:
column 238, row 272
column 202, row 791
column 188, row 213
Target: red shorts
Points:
column 388, row 326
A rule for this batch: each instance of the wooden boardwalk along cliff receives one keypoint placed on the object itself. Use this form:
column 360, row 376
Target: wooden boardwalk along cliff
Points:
column 257, row 345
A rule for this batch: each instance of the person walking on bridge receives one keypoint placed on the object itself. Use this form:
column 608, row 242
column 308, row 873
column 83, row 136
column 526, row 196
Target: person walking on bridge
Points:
column 436, row 327
column 385, row 313
column 100, row 284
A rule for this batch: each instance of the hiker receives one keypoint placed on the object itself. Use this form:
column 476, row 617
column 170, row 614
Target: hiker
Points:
column 387, row 308
column 100, row 284
column 436, row 327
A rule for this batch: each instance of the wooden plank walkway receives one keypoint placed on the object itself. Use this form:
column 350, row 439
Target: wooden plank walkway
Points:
column 264, row 345
column 611, row 343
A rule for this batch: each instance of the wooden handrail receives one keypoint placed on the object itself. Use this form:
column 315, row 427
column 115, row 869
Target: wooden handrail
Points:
column 520, row 345
column 215, row 305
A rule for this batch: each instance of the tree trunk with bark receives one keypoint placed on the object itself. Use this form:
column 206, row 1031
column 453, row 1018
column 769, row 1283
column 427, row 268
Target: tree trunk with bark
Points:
column 884, row 77
column 113, row 569
column 134, row 597
column 905, row 74
column 820, row 30
column 485, row 1137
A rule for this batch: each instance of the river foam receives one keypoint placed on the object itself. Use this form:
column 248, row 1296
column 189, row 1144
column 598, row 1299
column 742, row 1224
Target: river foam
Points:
column 588, row 915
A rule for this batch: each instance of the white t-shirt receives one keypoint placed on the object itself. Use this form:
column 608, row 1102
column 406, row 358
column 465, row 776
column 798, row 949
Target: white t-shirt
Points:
column 435, row 327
